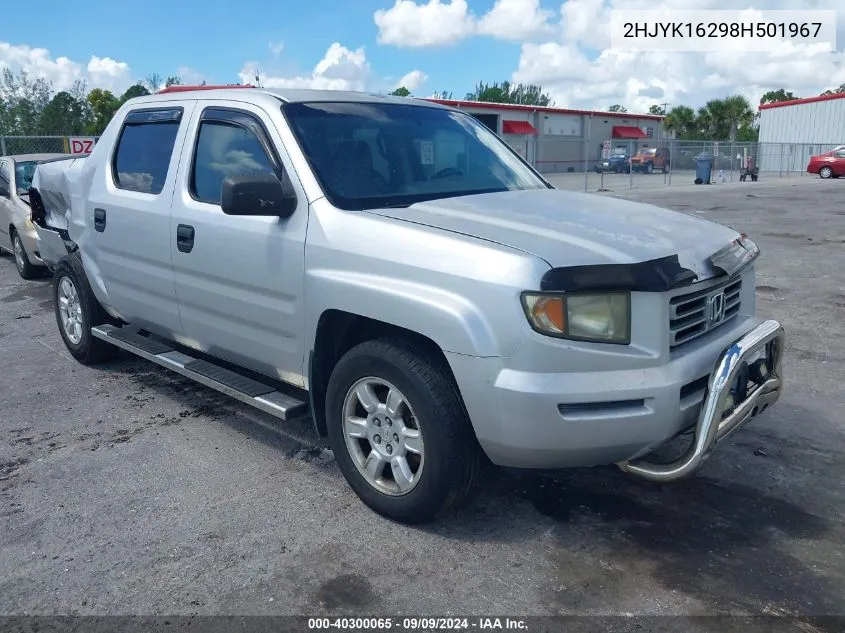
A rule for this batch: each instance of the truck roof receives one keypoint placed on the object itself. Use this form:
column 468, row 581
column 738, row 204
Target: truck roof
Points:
column 251, row 94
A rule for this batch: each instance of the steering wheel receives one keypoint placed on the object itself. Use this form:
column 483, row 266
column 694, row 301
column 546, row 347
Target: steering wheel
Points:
column 448, row 171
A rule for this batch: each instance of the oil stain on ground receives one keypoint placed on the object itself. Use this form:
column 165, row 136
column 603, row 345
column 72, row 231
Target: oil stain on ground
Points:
column 349, row 591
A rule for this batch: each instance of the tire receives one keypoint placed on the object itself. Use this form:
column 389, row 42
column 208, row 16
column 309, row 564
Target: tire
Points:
column 83, row 311
column 25, row 269
column 441, row 455
column 649, row 168
column 825, row 172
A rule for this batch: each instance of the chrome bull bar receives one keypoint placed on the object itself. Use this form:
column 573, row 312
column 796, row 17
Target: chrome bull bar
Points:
column 713, row 424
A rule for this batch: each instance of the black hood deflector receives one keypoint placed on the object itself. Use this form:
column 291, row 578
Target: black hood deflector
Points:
column 656, row 275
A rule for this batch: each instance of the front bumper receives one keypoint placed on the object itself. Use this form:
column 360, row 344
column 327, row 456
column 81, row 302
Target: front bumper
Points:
column 716, row 420
column 588, row 418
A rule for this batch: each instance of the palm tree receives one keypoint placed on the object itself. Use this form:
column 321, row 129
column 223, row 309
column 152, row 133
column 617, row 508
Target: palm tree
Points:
column 681, row 121
column 737, row 114
column 712, row 119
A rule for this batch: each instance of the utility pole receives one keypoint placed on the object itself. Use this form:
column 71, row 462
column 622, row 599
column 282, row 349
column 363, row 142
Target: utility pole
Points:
column 660, row 123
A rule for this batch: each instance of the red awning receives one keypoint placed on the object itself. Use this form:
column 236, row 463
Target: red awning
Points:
column 628, row 131
column 518, row 127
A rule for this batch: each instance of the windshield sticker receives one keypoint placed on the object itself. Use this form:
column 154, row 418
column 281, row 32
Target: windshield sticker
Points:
column 427, row 152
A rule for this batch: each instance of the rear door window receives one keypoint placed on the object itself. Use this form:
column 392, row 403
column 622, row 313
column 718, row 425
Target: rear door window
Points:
column 144, row 148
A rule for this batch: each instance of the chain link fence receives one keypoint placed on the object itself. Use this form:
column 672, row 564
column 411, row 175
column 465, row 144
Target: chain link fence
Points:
column 15, row 145
column 577, row 163
column 574, row 163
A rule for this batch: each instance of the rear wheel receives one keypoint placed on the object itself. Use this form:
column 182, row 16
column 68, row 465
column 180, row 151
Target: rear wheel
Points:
column 825, row 172
column 399, row 431
column 77, row 311
column 25, row 269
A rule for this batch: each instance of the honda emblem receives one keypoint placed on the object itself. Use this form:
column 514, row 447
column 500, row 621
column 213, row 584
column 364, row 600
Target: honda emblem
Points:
column 717, row 308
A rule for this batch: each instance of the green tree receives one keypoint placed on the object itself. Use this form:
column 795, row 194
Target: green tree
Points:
column 510, row 93
column 738, row 114
column 834, row 91
column 66, row 114
column 173, row 81
column 103, row 106
column 617, row 108
column 445, row 95
column 24, row 99
column 656, row 109
column 138, row 90
column 776, row 96
column 401, row 91
column 153, row 82
column 681, row 120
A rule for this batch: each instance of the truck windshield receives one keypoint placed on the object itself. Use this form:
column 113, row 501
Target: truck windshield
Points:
column 368, row 155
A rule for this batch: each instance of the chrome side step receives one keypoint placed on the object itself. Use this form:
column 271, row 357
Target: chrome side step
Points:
column 247, row 390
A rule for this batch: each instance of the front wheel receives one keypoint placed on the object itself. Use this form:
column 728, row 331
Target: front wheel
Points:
column 77, row 311
column 399, row 431
column 825, row 172
column 649, row 169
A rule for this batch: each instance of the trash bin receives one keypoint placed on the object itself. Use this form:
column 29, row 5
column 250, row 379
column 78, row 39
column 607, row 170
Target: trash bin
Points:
column 703, row 168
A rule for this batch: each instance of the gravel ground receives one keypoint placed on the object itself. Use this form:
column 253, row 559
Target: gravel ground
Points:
column 125, row 489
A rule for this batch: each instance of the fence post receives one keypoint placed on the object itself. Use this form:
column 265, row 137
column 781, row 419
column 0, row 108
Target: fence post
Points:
column 2, row 145
column 733, row 156
column 780, row 164
column 673, row 148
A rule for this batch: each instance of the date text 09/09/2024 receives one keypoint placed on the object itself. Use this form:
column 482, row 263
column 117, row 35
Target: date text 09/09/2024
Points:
column 418, row 624
column 722, row 29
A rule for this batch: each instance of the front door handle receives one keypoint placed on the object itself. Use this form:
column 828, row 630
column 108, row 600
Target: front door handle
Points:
column 99, row 220
column 184, row 238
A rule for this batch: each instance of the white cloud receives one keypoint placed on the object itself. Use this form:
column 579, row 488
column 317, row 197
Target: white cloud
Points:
column 436, row 23
column 99, row 72
column 190, row 77
column 579, row 69
column 276, row 48
column 340, row 69
column 516, row 20
column 106, row 73
column 414, row 80
column 443, row 22
column 38, row 62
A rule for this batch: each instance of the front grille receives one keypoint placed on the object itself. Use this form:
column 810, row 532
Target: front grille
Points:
column 694, row 314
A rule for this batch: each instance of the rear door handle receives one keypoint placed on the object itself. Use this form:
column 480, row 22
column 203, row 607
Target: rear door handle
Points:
column 184, row 238
column 99, row 220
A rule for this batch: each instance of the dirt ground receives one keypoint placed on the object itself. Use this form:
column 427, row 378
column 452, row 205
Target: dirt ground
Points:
column 125, row 489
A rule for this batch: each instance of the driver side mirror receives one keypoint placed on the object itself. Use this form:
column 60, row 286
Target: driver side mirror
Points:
column 258, row 194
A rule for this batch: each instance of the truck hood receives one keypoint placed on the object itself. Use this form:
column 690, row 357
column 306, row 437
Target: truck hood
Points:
column 567, row 228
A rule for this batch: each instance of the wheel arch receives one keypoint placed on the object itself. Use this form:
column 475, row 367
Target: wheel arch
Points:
column 337, row 332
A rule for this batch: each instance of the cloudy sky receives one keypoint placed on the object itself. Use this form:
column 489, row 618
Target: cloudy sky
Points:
column 426, row 45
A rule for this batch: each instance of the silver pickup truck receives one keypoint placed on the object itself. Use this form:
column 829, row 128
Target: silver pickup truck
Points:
column 394, row 267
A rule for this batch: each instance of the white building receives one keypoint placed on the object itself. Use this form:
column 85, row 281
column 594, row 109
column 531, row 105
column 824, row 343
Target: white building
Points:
column 792, row 131
column 563, row 139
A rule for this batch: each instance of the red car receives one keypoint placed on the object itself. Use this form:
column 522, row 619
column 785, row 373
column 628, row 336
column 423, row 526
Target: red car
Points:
column 828, row 165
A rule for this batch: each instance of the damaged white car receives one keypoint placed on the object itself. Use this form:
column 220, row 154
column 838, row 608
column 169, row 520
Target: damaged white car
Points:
column 395, row 268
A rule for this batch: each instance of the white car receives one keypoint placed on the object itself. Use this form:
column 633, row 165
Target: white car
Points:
column 17, row 234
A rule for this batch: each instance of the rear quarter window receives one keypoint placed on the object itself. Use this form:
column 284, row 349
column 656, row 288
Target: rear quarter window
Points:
column 144, row 148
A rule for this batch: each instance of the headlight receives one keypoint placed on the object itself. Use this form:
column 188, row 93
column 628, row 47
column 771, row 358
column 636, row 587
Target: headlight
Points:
column 599, row 318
